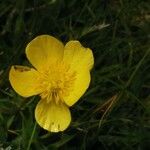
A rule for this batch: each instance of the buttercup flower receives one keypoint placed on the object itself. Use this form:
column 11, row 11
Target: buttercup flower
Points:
column 60, row 75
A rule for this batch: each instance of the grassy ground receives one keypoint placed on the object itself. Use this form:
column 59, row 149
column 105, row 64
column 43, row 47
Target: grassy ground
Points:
column 115, row 111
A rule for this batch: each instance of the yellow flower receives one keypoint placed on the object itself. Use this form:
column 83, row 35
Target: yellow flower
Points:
column 60, row 75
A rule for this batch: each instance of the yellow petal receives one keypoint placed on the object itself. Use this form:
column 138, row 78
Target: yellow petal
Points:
column 51, row 116
column 81, row 61
column 77, row 56
column 24, row 80
column 81, row 84
column 44, row 49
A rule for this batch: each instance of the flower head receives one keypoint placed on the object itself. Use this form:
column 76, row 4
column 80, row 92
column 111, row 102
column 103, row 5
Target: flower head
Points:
column 60, row 75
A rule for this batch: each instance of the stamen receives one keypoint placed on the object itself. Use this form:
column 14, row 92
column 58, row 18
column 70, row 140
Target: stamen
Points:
column 56, row 82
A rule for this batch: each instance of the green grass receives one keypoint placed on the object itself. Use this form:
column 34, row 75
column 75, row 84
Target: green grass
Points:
column 115, row 111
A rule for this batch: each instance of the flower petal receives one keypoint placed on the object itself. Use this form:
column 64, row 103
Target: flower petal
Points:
column 81, row 84
column 81, row 61
column 24, row 80
column 77, row 56
column 51, row 116
column 44, row 49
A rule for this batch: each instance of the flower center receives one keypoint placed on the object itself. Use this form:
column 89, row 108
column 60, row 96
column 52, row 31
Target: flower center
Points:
column 56, row 81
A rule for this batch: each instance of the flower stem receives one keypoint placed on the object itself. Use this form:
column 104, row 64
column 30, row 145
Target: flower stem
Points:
column 31, row 138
